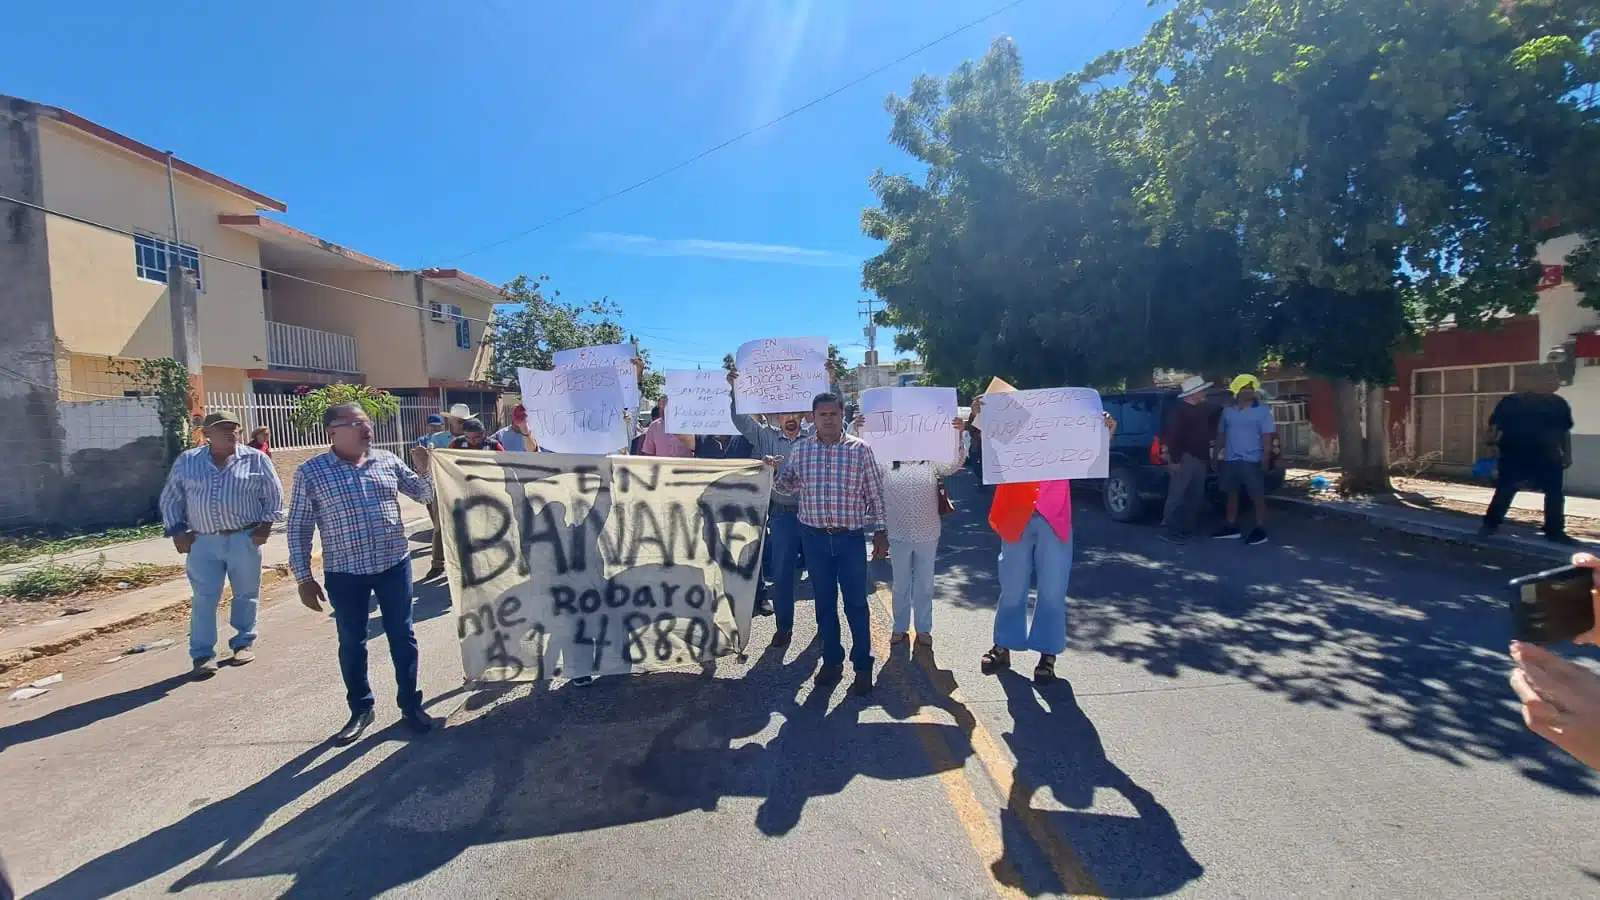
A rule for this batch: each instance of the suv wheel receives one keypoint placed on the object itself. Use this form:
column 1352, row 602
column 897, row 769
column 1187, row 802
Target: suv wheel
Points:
column 1121, row 495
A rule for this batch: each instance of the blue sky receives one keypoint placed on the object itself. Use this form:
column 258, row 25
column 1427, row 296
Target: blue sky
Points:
column 418, row 132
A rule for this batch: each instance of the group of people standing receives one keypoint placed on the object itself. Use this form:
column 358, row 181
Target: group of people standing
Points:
column 831, row 500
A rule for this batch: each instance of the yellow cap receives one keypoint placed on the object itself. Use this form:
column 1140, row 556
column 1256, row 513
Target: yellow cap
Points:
column 1244, row 381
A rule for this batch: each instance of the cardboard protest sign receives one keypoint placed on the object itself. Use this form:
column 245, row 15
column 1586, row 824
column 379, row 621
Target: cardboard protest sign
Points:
column 575, row 410
column 565, row 566
column 910, row 423
column 618, row 356
column 778, row 375
column 699, row 401
column 1044, row 435
column 996, row 385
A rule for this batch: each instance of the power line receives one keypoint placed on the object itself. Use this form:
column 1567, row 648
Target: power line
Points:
column 745, row 134
column 223, row 259
column 244, row 265
column 29, row 381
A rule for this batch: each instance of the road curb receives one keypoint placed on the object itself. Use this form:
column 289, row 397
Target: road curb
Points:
column 1468, row 536
column 136, row 615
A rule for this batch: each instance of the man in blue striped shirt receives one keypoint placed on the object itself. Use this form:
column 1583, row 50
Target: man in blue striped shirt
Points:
column 351, row 495
column 218, row 507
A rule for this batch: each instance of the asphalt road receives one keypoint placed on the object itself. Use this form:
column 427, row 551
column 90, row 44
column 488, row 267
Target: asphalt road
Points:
column 1324, row 716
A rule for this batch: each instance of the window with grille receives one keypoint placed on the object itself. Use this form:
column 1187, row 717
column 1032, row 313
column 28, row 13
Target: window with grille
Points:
column 463, row 328
column 150, row 260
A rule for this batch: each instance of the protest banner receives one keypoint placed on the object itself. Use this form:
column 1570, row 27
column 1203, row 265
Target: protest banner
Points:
column 778, row 375
column 910, row 423
column 698, row 402
column 1044, row 435
column 575, row 410
column 618, row 356
column 566, row 566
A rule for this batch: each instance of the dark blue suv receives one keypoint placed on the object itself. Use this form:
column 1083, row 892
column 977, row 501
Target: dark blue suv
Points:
column 1136, row 485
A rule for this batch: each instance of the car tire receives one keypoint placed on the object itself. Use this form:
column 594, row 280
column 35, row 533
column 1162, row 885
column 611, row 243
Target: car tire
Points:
column 1120, row 493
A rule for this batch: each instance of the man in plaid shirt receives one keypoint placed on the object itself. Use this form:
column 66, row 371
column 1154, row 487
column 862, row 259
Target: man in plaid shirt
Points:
column 841, row 494
column 350, row 495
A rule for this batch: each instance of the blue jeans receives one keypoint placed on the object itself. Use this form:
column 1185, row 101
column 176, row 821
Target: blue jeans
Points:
column 783, row 546
column 213, row 558
column 838, row 564
column 1037, row 554
column 350, row 596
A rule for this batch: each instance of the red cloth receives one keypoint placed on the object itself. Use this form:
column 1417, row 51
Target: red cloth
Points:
column 262, row 446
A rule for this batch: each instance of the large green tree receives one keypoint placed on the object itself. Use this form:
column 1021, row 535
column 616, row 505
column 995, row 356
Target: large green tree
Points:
column 1020, row 253
column 1383, row 166
column 530, row 326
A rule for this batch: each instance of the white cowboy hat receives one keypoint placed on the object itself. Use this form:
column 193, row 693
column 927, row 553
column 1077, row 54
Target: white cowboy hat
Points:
column 460, row 411
column 1192, row 385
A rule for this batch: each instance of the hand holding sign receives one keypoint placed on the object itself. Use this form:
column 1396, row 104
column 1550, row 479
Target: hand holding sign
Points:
column 779, row 375
column 910, row 423
column 697, row 402
column 1045, row 435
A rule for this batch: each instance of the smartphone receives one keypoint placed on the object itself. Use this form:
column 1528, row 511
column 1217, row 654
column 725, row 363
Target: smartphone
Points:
column 1552, row 606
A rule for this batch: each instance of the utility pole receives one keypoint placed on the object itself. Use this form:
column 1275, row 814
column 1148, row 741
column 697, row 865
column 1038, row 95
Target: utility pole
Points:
column 183, row 302
column 868, row 309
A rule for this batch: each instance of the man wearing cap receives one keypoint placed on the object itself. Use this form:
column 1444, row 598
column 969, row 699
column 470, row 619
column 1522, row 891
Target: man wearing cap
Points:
column 1190, row 430
column 218, row 507
column 1246, row 454
column 517, row 436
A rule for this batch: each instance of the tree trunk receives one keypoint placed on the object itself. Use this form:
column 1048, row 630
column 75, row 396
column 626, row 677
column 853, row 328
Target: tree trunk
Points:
column 1363, row 437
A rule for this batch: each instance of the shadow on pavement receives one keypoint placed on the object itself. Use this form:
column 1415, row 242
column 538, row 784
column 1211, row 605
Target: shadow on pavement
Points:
column 82, row 715
column 1057, row 747
column 1408, row 633
column 624, row 750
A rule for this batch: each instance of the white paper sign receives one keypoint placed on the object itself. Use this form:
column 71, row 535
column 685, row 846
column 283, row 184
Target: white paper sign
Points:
column 779, row 375
column 1045, row 435
column 620, row 356
column 575, row 410
column 698, row 402
column 910, row 423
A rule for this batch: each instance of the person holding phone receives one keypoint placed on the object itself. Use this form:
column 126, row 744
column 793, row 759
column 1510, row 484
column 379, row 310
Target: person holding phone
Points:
column 1561, row 699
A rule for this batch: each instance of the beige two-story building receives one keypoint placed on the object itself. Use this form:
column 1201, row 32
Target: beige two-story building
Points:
column 278, row 307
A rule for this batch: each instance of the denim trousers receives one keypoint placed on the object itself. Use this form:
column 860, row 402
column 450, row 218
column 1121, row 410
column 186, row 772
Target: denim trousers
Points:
column 912, row 564
column 351, row 597
column 781, row 558
column 213, row 559
column 838, row 566
column 1037, row 554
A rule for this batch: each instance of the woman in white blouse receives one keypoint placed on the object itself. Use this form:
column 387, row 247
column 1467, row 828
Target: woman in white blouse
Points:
column 911, row 506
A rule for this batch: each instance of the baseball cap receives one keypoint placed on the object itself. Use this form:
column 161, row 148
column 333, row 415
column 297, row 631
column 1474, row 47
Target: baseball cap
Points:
column 436, row 419
column 472, row 425
column 220, row 416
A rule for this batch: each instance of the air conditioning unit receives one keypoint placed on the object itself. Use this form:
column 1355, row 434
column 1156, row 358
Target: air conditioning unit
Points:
column 436, row 312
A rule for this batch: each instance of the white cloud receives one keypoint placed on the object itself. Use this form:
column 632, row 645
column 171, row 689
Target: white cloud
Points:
column 643, row 245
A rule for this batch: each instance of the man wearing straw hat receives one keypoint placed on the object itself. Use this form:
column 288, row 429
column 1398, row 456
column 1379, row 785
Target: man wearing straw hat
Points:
column 1190, row 430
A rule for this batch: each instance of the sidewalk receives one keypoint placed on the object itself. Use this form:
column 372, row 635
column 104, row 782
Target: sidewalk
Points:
column 1451, row 512
column 159, row 551
column 111, row 611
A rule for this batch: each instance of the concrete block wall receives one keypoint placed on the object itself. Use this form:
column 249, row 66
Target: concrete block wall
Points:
column 113, row 461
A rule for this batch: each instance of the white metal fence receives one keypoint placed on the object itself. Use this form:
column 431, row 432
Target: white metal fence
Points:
column 272, row 411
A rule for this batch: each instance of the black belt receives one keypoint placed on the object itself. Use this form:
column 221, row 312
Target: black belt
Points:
column 224, row 533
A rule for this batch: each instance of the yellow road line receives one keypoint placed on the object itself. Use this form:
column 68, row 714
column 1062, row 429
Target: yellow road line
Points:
column 958, row 790
column 1064, row 860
